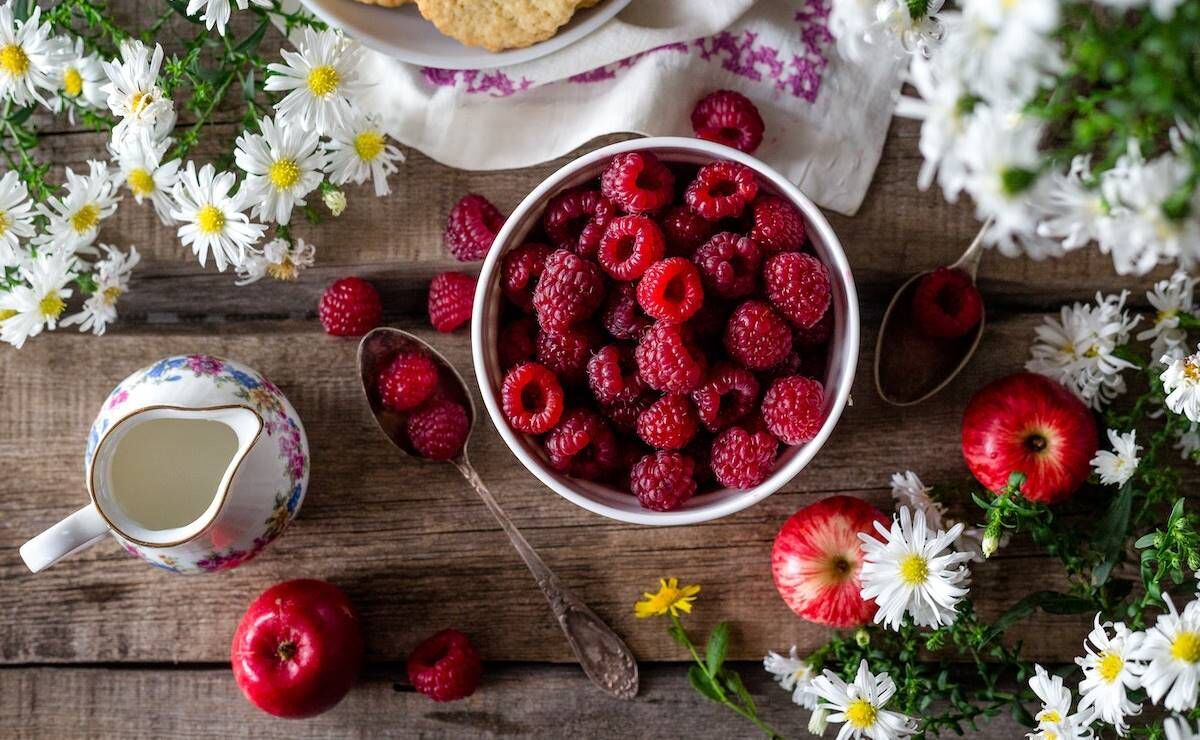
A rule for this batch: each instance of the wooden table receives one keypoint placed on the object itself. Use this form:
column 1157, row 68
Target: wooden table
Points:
column 103, row 645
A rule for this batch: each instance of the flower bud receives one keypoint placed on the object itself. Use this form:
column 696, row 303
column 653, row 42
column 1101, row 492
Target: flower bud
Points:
column 818, row 722
column 991, row 542
column 335, row 201
column 862, row 638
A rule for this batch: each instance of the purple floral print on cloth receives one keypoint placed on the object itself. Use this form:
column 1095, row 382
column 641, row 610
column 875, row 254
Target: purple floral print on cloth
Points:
column 609, row 71
column 494, row 83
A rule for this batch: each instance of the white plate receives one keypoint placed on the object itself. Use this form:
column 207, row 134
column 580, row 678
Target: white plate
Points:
column 402, row 33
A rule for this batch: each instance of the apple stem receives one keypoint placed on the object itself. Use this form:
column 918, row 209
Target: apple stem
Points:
column 286, row 650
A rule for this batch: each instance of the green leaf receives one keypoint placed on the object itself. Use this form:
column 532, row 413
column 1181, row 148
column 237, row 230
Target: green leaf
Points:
column 679, row 636
column 1146, row 540
column 251, row 42
column 1110, row 533
column 180, row 7
column 1050, row 602
column 718, row 646
column 704, row 685
column 20, row 116
column 733, row 682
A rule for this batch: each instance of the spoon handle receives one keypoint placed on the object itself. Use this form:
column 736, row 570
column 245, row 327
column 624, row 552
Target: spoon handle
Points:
column 969, row 261
column 604, row 656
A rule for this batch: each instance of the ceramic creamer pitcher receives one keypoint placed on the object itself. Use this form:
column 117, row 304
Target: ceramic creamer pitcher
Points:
column 194, row 464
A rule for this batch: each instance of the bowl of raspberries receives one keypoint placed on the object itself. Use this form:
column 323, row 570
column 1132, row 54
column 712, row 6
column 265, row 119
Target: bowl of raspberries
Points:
column 665, row 331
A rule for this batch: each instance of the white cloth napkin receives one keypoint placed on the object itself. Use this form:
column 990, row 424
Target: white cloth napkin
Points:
column 643, row 72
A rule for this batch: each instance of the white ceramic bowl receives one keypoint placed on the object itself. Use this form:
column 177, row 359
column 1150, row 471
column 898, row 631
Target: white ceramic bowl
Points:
column 839, row 372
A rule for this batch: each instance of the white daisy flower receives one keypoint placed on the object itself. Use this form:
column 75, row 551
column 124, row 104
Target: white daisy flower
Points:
column 74, row 219
column 1073, row 207
column 1109, row 672
column 1188, row 443
column 359, row 150
column 133, row 91
column 1169, row 298
column 1181, row 381
column 1003, row 48
column 913, row 571
column 216, row 12
column 1055, row 721
column 39, row 301
column 944, row 120
column 1117, row 467
column 335, row 201
column 860, row 705
column 858, row 32
column 16, row 218
column 1171, row 649
column 917, row 35
column 279, row 259
column 26, row 57
column 282, row 165
column 212, row 218
column 908, row 490
column 792, row 674
column 146, row 175
column 1178, row 728
column 79, row 77
column 112, row 281
column 322, row 79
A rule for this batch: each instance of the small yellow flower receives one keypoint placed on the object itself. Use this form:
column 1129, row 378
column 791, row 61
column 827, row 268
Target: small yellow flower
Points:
column 670, row 598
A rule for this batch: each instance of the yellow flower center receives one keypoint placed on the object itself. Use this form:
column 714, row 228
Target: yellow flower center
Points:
column 1191, row 369
column 6, row 314
column 1186, row 647
column 1110, row 666
column 51, row 305
column 323, row 80
column 1162, row 316
column 72, row 82
column 14, row 60
column 140, row 182
column 368, row 145
column 285, row 270
column 111, row 294
column 210, row 219
column 139, row 100
column 914, row 570
column 1050, row 716
column 283, row 173
column 861, row 714
column 85, row 218
column 5, row 222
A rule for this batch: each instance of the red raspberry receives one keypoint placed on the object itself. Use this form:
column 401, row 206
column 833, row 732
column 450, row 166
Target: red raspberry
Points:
column 638, row 182
column 816, row 335
column 582, row 445
column 517, row 342
column 778, row 226
column 721, row 190
column 743, row 458
column 408, row 381
column 349, row 307
column 570, row 290
column 947, row 304
column 532, row 398
column 567, row 352
column 577, row 218
column 471, row 228
column 663, row 481
column 669, row 360
column 757, row 337
column 728, row 395
column 797, row 285
column 728, row 118
column 729, row 265
column 451, row 295
column 684, row 231
column 519, row 273
column 438, row 430
column 794, row 409
column 669, row 423
column 629, row 246
column 445, row 667
column 670, row 290
column 624, row 412
column 612, row 375
column 622, row 317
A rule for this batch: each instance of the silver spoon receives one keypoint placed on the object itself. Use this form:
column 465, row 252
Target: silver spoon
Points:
column 604, row 656
column 911, row 367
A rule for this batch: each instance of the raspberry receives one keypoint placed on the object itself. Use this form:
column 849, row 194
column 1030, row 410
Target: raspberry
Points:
column 450, row 297
column 519, row 273
column 729, row 394
column 638, row 182
column 721, row 190
column 793, row 409
column 408, row 381
column 532, row 398
column 757, row 337
column 671, row 290
column 582, row 445
column 742, row 458
column 817, row 334
column 567, row 352
column 797, row 285
column 438, row 430
column 728, row 118
column 621, row 316
column 629, row 246
column 612, row 375
column 445, row 667
column 471, row 228
column 778, row 226
column 668, row 359
column 669, row 423
column 624, row 412
column 570, row 290
column 684, row 231
column 349, row 307
column 663, row 481
column 729, row 265
column 577, row 218
column 947, row 304
column 517, row 342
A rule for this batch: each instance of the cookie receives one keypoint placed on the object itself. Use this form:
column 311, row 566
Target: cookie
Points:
column 496, row 25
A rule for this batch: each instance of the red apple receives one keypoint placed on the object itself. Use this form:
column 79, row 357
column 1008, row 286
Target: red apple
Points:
column 298, row 648
column 817, row 557
column 1030, row 424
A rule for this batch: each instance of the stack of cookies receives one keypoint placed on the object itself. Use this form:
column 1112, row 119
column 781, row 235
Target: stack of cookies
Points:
column 495, row 25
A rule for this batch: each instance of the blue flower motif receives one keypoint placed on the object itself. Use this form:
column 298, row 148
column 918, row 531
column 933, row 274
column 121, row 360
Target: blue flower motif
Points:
column 246, row 380
column 157, row 369
column 294, row 500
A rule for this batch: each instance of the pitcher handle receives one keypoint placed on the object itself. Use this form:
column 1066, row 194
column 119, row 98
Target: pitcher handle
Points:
column 80, row 530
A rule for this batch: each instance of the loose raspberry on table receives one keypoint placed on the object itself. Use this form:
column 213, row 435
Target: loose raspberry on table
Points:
column 583, row 445
column 471, row 228
column 570, row 290
column 743, row 458
column 520, row 270
column 778, row 226
column 722, row 189
column 663, row 481
column 407, row 381
column 532, row 398
column 757, row 336
column 728, row 118
column 794, row 409
column 947, row 304
column 349, row 307
column 669, row 423
column 438, row 430
column 684, row 231
column 612, row 375
column 445, row 667
column 817, row 334
column 621, row 316
column 517, row 342
column 629, row 246
column 669, row 360
column 797, row 285
column 577, row 218
column 671, row 290
column 729, row 265
column 567, row 352
column 638, row 182
column 729, row 393
column 624, row 412
column 451, row 295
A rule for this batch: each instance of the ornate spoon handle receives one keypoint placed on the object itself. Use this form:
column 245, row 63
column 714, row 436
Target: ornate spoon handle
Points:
column 604, row 656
